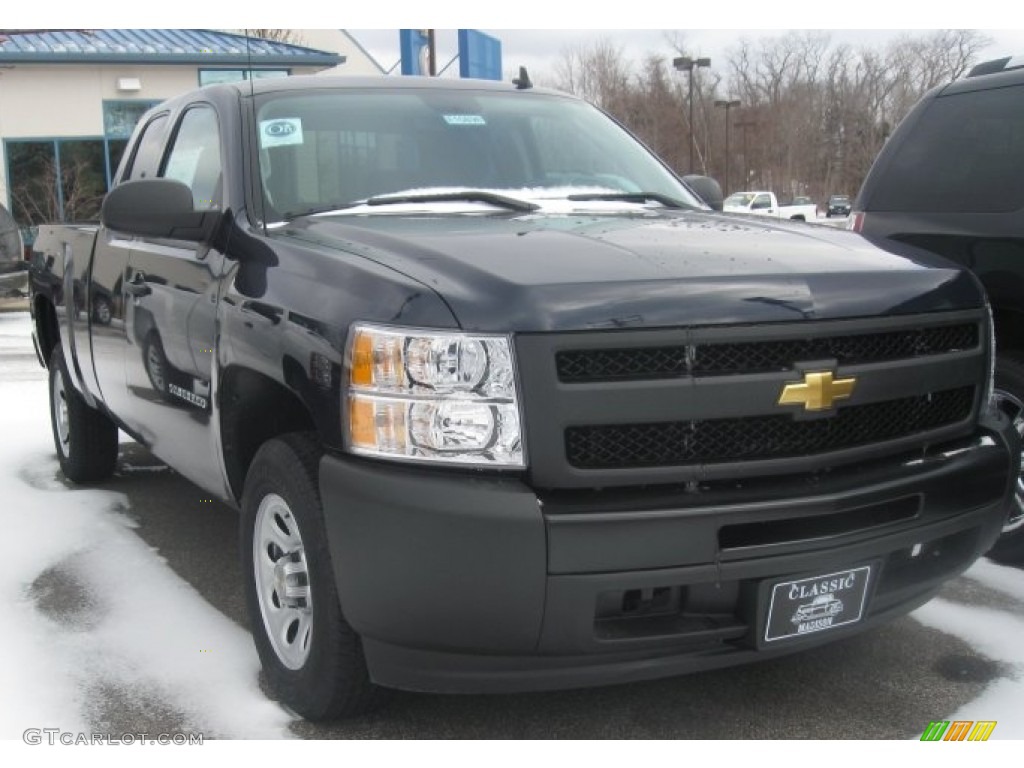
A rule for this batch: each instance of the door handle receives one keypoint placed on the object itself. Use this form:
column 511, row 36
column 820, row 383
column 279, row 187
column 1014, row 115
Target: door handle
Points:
column 137, row 286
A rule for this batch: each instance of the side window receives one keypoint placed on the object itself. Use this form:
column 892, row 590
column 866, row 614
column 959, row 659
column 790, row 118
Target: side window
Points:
column 761, row 202
column 146, row 161
column 965, row 155
column 194, row 159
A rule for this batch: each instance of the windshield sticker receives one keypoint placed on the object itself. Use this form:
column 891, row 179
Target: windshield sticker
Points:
column 280, row 132
column 465, row 120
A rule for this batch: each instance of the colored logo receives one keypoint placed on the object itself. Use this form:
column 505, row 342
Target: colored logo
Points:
column 817, row 392
column 280, row 128
column 958, row 730
column 280, row 132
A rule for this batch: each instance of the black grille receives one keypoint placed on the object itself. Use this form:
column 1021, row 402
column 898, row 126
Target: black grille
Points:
column 582, row 365
column 762, row 437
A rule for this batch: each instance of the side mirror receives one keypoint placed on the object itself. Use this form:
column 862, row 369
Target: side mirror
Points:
column 157, row 208
column 707, row 189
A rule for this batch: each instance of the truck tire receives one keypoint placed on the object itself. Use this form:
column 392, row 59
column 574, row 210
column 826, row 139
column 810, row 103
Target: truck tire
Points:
column 312, row 658
column 1009, row 396
column 155, row 362
column 85, row 438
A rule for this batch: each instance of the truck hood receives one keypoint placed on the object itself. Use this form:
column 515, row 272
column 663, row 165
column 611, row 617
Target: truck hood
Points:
column 578, row 272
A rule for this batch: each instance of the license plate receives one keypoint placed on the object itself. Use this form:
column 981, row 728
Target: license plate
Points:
column 803, row 607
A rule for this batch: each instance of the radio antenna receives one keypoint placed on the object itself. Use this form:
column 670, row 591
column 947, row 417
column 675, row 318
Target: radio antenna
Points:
column 256, row 134
column 248, row 60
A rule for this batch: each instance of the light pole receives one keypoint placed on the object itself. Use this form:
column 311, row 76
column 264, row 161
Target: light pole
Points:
column 728, row 105
column 745, row 124
column 686, row 64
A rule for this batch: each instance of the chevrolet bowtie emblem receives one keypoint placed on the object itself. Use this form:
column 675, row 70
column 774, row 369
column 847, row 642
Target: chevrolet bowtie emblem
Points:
column 817, row 392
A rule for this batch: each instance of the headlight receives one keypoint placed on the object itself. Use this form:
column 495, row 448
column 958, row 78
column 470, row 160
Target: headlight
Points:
column 433, row 396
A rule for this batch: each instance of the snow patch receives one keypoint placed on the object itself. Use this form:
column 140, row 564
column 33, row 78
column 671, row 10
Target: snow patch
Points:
column 151, row 630
column 996, row 634
column 1009, row 581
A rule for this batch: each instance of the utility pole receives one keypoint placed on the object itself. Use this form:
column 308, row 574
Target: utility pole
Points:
column 687, row 64
column 432, row 53
column 728, row 105
column 745, row 124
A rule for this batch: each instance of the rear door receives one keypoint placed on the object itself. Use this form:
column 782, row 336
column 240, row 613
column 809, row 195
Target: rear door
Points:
column 173, row 287
column 107, row 298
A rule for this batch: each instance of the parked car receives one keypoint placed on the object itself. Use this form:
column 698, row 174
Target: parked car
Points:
column 838, row 205
column 13, row 267
column 13, row 279
column 951, row 180
column 766, row 204
column 503, row 406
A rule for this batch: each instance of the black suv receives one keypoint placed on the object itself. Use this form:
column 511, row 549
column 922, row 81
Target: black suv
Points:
column 838, row 205
column 951, row 180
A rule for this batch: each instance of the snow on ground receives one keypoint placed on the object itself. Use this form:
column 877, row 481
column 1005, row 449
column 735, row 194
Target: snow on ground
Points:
column 139, row 630
column 996, row 634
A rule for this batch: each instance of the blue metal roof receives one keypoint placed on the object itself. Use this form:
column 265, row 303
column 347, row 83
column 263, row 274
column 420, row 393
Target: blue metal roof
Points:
column 157, row 46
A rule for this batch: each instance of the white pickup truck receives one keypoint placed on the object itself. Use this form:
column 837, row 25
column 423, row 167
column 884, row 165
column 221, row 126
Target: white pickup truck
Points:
column 766, row 204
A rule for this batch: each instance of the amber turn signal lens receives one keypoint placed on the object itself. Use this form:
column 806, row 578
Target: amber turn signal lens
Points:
column 362, row 359
column 361, row 423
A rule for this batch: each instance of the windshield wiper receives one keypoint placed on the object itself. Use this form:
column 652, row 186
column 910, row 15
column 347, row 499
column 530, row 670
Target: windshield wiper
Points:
column 319, row 209
column 470, row 195
column 633, row 197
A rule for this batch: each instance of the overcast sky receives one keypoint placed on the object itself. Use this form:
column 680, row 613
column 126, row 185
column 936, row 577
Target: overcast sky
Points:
column 535, row 32
column 541, row 49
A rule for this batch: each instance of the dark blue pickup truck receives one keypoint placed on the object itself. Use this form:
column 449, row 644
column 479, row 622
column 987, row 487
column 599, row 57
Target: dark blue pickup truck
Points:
column 503, row 405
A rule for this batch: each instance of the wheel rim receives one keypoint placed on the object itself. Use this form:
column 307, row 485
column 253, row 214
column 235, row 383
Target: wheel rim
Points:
column 1012, row 406
column 155, row 366
column 59, row 403
column 282, row 581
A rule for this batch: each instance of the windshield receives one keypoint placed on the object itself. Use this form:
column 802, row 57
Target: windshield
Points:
column 740, row 199
column 840, row 199
column 333, row 148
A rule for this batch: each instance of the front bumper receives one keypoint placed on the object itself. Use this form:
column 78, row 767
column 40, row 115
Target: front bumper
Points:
column 477, row 583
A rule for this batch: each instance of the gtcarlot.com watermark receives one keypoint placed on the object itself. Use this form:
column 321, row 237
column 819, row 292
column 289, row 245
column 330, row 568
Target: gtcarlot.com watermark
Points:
column 54, row 736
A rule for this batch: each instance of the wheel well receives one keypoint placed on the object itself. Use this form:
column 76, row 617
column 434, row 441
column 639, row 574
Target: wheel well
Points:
column 255, row 409
column 47, row 330
column 798, row 217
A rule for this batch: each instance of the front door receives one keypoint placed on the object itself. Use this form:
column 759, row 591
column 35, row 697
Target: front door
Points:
column 172, row 289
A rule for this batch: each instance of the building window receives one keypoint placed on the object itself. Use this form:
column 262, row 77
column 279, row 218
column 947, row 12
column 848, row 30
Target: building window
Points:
column 65, row 179
column 83, row 178
column 56, row 180
column 32, row 181
column 214, row 76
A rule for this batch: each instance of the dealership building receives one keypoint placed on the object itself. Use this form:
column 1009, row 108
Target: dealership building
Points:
column 70, row 99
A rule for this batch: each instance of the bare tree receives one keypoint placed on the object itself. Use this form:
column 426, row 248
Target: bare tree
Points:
column 35, row 199
column 597, row 72
column 813, row 114
column 277, row 35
